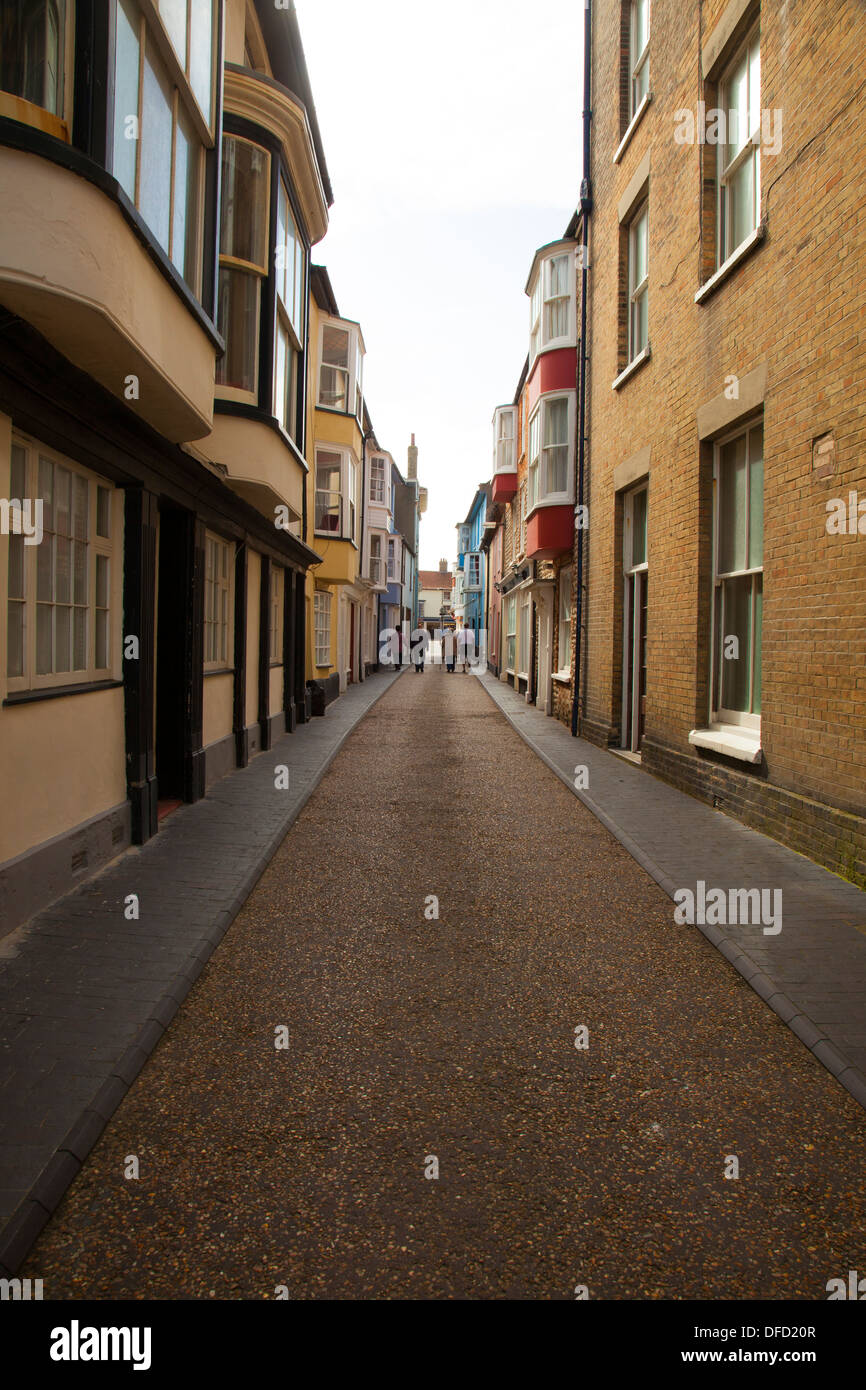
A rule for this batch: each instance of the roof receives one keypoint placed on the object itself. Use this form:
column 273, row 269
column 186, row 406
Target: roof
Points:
column 435, row 579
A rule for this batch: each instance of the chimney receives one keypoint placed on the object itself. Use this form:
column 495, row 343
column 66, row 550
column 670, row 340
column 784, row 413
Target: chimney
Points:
column 413, row 461
column 443, row 566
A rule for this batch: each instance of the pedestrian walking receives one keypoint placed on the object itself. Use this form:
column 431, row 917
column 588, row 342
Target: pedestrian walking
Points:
column 450, row 645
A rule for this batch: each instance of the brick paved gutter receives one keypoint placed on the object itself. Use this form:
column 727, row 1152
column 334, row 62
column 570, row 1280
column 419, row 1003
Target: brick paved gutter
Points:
column 86, row 995
column 813, row 973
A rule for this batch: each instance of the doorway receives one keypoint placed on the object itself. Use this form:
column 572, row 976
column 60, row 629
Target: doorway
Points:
column 634, row 621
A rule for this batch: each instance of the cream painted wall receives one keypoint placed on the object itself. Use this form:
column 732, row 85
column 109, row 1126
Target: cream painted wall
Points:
column 218, row 708
column 254, row 598
column 65, row 759
column 276, row 690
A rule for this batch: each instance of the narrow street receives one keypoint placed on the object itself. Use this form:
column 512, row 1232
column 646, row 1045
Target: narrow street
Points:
column 413, row 1038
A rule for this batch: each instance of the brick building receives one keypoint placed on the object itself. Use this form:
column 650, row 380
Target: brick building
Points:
column 726, row 412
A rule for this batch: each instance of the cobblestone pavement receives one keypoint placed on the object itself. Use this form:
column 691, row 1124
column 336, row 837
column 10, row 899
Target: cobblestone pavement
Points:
column 454, row 1038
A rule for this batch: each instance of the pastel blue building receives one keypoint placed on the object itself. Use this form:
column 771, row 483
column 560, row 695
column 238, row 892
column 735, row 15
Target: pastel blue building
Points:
column 470, row 561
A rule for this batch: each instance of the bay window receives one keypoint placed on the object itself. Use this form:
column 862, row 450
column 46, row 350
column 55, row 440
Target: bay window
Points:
column 392, row 560
column 504, row 422
column 551, row 435
column 375, row 559
column 472, row 569
column 341, row 357
column 290, row 263
column 739, row 153
column 32, row 51
column 63, row 594
column 738, row 578
column 245, row 201
column 336, row 494
column 523, row 643
column 163, row 116
column 551, row 293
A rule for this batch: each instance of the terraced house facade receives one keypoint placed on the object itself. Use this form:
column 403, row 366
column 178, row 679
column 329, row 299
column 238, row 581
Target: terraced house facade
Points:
column 163, row 182
column 725, row 634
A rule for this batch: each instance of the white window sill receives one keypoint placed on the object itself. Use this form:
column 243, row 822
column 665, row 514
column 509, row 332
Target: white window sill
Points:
column 743, row 250
column 733, row 740
column 632, row 367
column 563, row 677
column 632, row 127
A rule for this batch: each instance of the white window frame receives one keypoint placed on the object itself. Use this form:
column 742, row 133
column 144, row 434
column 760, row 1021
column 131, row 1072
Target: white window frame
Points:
column 392, row 572
column 255, row 271
column 322, row 619
column 378, row 578
column 749, row 151
column 377, row 487
column 722, row 715
column 108, row 548
column 472, row 561
column 638, row 63
column 563, row 622
column 219, row 585
column 637, row 292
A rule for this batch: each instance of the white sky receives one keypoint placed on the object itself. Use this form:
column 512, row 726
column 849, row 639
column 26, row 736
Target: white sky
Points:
column 452, row 134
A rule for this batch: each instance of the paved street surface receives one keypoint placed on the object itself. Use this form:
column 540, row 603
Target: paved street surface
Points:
column 411, row 1039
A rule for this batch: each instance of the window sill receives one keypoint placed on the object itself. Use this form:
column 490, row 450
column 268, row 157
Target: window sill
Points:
column 744, row 249
column 563, row 677
column 632, row 127
column 56, row 692
column 219, row 671
column 732, row 740
column 632, row 367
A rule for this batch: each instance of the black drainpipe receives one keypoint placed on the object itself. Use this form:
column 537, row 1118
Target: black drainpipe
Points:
column 585, row 210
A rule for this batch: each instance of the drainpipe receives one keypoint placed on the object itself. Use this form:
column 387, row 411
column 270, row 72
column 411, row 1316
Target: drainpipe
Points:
column 361, row 673
column 585, row 211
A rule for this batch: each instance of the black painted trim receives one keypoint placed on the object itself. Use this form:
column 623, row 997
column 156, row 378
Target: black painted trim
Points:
column 239, row 721
column 139, row 619
column 56, row 692
column 265, row 654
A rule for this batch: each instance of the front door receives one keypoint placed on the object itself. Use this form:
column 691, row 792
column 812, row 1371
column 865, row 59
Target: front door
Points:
column 635, row 611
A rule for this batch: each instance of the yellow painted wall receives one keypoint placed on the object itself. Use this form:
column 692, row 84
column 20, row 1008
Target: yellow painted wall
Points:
column 63, row 761
column 254, row 582
column 218, row 707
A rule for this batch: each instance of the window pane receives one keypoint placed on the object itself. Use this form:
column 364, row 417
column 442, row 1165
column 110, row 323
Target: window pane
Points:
column 335, row 346
column 101, row 581
column 79, row 507
column 640, row 249
column 16, row 567
column 237, row 321
column 738, row 623
column 63, row 570
column 201, row 53
column 62, row 638
column 185, row 217
column 639, row 526
column 46, row 492
column 245, row 203
column 79, row 639
column 80, row 573
column 45, row 570
column 756, row 498
column 732, row 506
column 31, row 52
column 742, row 218
column 103, row 512
column 738, row 107
column 155, row 184
column 173, row 15
column 15, row 640
column 43, row 639
column 125, row 96
column 62, row 501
